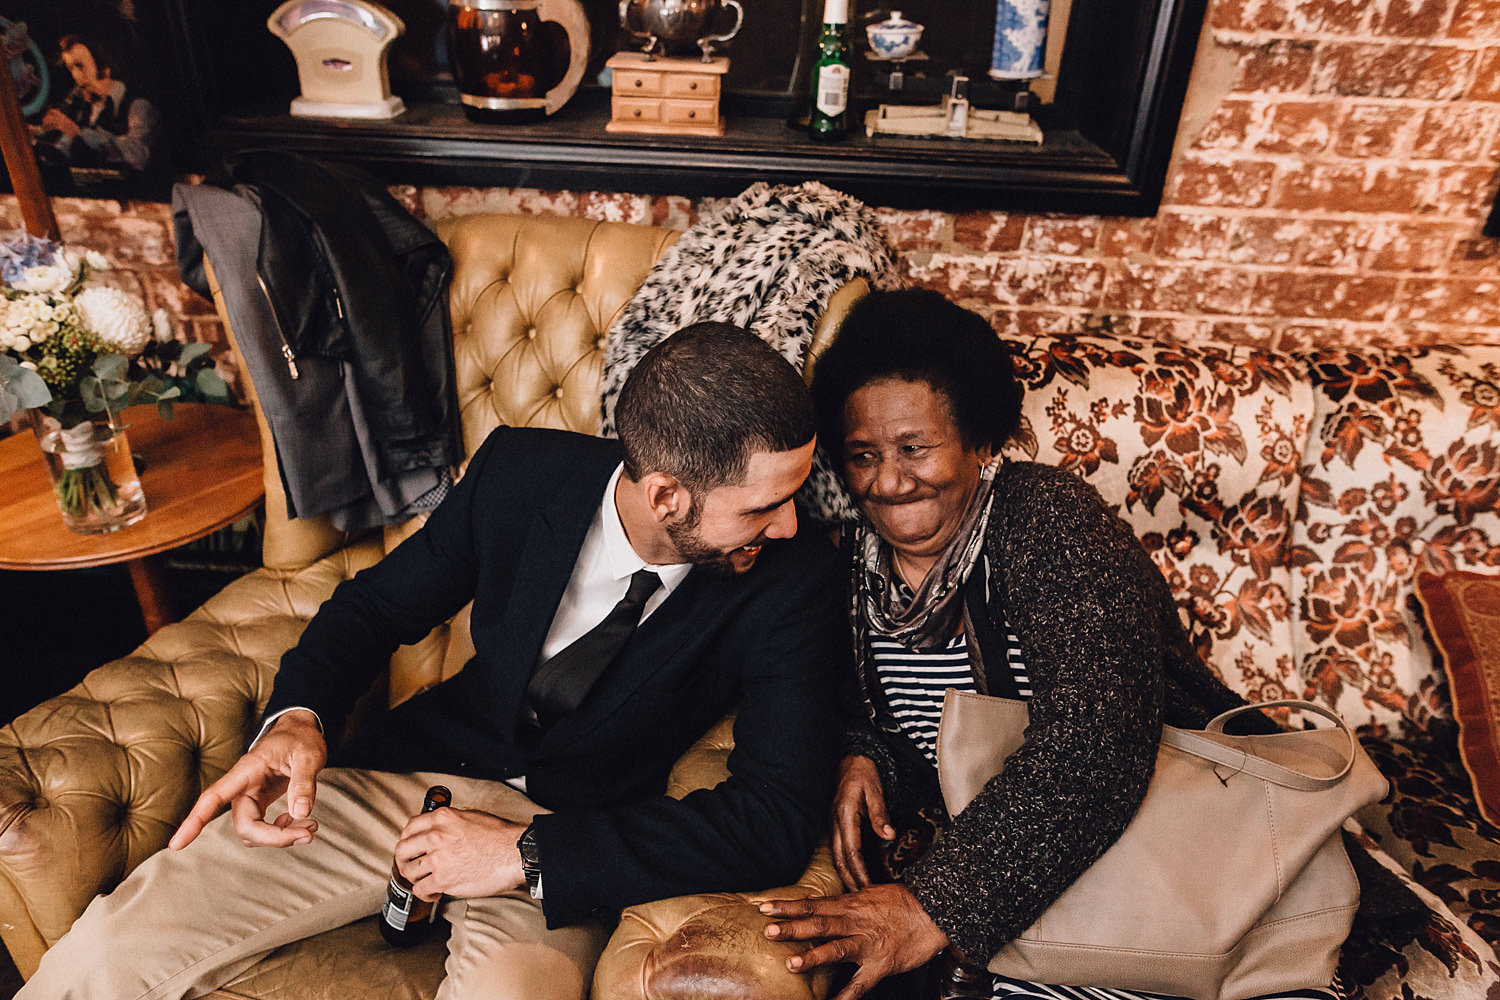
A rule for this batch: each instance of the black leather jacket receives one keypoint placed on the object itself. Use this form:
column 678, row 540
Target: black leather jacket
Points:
column 357, row 294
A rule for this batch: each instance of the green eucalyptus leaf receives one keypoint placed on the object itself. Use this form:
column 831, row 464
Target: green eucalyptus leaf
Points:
column 211, row 385
column 9, row 404
column 111, row 366
column 29, row 388
column 164, row 408
column 25, row 386
column 91, row 392
column 192, row 352
column 171, row 392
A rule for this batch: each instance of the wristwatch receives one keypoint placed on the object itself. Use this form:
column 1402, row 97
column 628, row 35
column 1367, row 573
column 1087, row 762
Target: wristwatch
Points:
column 531, row 861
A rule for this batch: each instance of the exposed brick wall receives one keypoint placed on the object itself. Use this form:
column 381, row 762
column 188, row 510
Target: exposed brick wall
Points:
column 1333, row 169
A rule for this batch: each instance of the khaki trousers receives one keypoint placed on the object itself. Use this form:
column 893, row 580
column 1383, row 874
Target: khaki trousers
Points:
column 187, row 922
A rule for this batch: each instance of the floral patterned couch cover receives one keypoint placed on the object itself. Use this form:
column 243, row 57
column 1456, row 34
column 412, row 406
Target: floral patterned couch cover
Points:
column 1290, row 499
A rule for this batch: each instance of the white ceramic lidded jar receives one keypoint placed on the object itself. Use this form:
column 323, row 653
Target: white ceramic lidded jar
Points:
column 895, row 37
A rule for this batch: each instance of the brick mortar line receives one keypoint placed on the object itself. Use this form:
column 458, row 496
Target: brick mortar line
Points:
column 1199, row 263
column 1307, row 97
column 1236, row 317
column 1261, row 37
column 1274, row 321
column 1240, row 212
column 1225, row 158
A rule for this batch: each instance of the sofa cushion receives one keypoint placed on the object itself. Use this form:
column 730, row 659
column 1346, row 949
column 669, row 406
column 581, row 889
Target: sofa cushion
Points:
column 1432, row 829
column 532, row 300
column 1198, row 449
column 1462, row 611
column 1438, row 957
column 1401, row 472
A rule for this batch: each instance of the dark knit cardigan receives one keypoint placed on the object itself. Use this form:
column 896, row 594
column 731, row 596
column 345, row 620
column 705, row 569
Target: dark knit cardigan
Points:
column 1108, row 660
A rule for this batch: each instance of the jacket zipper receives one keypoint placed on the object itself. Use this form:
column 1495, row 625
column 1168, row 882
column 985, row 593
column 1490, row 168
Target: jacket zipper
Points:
column 286, row 348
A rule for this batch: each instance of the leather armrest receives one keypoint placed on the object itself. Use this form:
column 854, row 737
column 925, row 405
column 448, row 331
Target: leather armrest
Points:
column 95, row 780
column 710, row 944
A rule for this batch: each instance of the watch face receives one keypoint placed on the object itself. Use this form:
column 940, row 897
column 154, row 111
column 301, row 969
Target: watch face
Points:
column 530, row 855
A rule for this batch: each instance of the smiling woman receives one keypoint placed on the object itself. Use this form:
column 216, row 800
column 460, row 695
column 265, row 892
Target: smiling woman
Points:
column 1005, row 578
column 909, row 469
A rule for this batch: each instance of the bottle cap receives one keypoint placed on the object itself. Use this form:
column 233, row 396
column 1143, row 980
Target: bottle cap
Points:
column 836, row 12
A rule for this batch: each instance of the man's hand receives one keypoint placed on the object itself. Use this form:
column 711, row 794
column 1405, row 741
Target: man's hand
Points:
column 460, row 852
column 858, row 801
column 55, row 121
column 286, row 760
column 882, row 929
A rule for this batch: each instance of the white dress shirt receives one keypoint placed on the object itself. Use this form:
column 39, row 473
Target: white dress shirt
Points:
column 602, row 575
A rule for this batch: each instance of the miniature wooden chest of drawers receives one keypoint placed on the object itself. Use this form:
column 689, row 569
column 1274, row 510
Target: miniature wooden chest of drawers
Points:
column 665, row 95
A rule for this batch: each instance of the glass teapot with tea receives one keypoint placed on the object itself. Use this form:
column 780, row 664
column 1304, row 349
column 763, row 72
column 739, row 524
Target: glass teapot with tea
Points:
column 507, row 67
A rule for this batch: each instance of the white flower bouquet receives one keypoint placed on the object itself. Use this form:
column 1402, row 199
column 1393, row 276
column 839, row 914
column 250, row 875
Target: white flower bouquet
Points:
column 76, row 351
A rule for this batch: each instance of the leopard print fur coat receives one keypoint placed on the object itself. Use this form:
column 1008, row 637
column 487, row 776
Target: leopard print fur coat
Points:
column 768, row 260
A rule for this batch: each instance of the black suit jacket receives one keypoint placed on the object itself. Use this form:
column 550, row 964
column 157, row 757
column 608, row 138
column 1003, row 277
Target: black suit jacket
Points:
column 772, row 640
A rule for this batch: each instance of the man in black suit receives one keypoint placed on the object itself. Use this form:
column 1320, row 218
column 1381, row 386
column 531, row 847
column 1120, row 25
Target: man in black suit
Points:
column 555, row 739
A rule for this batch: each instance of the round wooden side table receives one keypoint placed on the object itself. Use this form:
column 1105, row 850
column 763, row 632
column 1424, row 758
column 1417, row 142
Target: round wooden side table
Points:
column 201, row 471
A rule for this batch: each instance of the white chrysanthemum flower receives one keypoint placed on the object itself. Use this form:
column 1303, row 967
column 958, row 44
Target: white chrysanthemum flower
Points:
column 118, row 318
column 96, row 260
column 162, row 323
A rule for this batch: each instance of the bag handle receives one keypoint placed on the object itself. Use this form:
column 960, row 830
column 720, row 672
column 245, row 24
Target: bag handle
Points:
column 1200, row 746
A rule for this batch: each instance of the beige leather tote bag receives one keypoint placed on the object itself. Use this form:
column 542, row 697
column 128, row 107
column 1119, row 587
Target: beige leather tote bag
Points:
column 1231, row 881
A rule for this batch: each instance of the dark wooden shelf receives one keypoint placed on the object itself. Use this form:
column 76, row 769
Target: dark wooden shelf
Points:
column 1109, row 131
column 433, row 143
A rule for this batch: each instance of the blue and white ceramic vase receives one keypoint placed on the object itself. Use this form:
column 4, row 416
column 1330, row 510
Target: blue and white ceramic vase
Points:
column 1020, row 39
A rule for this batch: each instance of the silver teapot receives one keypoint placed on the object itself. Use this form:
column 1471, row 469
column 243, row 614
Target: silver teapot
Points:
column 662, row 22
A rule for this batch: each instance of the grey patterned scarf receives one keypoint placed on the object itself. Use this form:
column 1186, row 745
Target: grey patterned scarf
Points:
column 931, row 617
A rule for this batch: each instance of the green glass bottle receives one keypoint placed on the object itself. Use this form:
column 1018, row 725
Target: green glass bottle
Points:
column 829, row 118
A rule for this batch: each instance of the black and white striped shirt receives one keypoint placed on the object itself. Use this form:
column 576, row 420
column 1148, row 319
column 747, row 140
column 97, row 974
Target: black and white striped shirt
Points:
column 914, row 682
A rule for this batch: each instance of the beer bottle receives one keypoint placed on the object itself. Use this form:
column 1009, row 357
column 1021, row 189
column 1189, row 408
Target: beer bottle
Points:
column 406, row 920
column 829, row 119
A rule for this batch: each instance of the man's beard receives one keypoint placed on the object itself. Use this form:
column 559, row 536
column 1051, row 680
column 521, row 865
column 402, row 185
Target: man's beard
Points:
column 693, row 549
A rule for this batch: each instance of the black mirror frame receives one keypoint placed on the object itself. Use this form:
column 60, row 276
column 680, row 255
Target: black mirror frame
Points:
column 1110, row 129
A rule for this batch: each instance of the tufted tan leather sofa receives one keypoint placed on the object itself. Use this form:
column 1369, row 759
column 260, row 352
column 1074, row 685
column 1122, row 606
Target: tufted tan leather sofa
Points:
column 95, row 780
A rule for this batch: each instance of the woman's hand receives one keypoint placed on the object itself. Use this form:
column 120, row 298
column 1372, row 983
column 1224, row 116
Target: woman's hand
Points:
column 859, row 800
column 882, row 929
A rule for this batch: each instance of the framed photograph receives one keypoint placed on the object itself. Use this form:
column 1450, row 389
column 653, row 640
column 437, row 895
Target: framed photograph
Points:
column 90, row 95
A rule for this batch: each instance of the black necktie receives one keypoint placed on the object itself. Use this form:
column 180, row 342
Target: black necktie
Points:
column 559, row 685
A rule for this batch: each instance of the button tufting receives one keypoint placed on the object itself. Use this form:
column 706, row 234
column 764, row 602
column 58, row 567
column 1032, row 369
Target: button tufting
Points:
column 531, row 333
column 558, row 392
column 600, row 343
